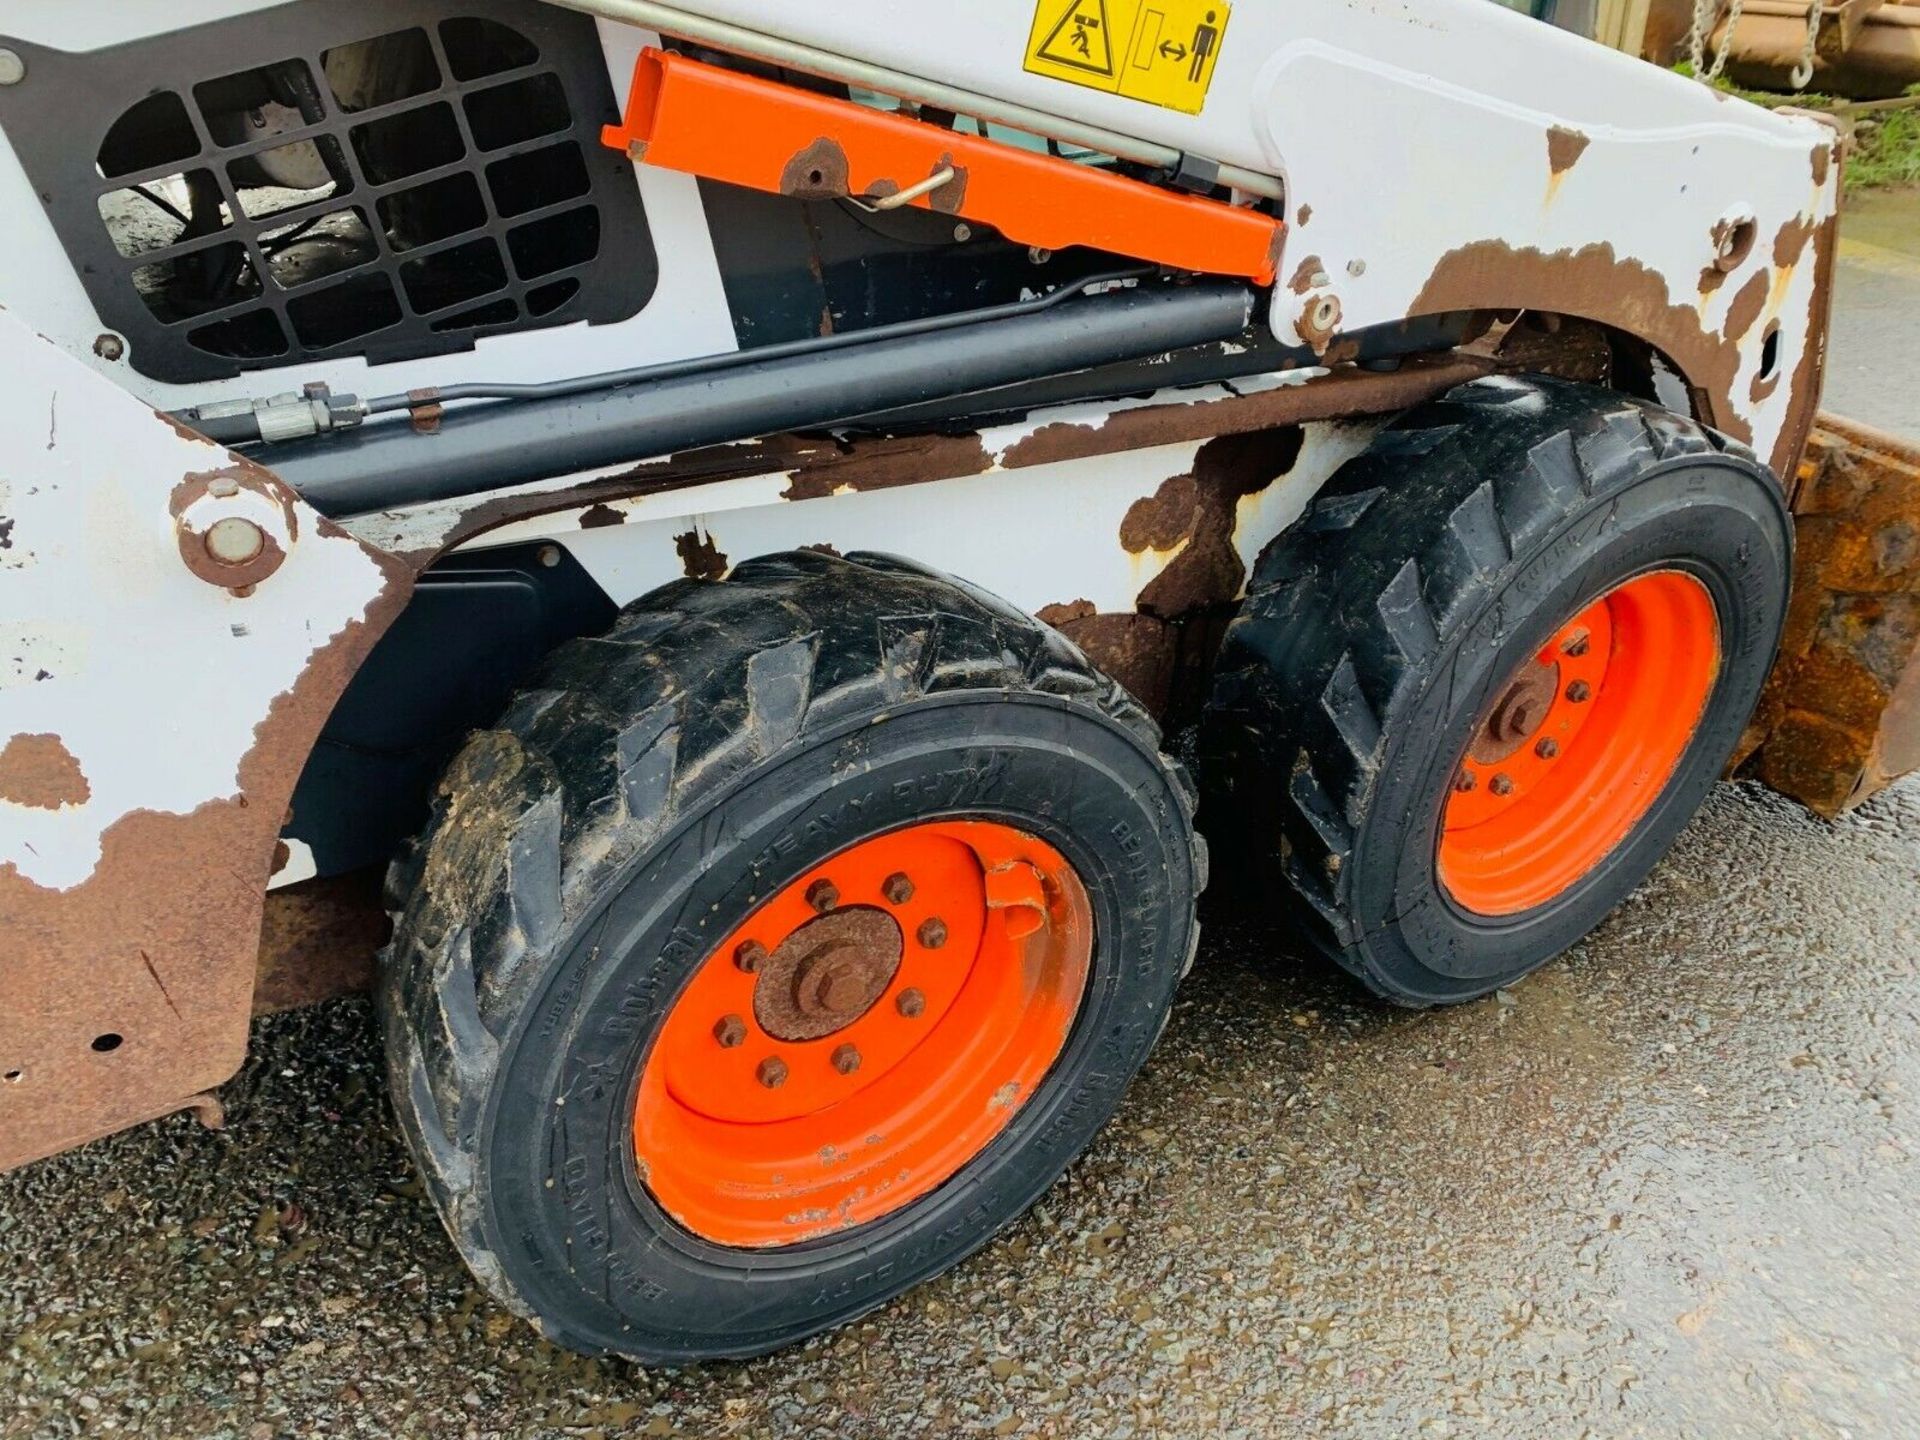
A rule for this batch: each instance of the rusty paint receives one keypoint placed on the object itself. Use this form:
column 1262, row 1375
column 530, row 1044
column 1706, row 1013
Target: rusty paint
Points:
column 1565, row 146
column 1821, row 159
column 1790, row 241
column 1309, row 273
column 1139, row 651
column 700, row 558
column 425, row 410
column 39, row 771
column 1595, row 284
column 1318, row 322
column 818, row 172
column 1061, row 612
column 597, row 517
column 1748, row 301
column 951, row 196
column 1303, row 215
column 319, row 940
column 1810, row 372
column 1193, row 515
column 1840, row 719
column 165, row 940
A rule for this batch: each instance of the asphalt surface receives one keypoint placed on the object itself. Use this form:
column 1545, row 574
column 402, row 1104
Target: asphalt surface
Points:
column 1665, row 1187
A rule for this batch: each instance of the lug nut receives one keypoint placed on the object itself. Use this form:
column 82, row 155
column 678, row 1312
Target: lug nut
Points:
column 1501, row 784
column 1548, row 748
column 910, row 1003
column 730, row 1030
column 1579, row 692
column 897, row 888
column 1465, row 783
column 823, row 895
column 846, row 1059
column 1577, row 644
column 749, row 956
column 772, row 1072
column 932, row 933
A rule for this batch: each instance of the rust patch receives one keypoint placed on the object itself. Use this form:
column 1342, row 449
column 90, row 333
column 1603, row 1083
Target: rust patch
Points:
column 1594, row 284
column 1194, row 515
column 1748, row 301
column 1790, row 241
column 1309, row 273
column 1139, row 651
column 951, row 196
column 1060, row 613
column 598, row 517
column 882, row 462
column 319, row 940
column 1303, row 215
column 819, row 172
column 425, row 410
column 1821, row 159
column 1808, row 373
column 38, row 771
column 164, row 930
column 1564, row 147
column 1840, row 719
column 700, row 558
column 1317, row 323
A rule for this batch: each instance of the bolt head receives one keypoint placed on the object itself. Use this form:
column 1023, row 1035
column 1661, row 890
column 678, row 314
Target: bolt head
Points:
column 911, row 1003
column 730, row 1030
column 1577, row 644
column 932, row 933
column 1466, row 782
column 771, row 1072
column 963, row 233
column 1579, row 692
column 1501, row 784
column 12, row 68
column 897, row 888
column 234, row 540
column 749, row 956
column 846, row 1059
column 823, row 895
column 1548, row 748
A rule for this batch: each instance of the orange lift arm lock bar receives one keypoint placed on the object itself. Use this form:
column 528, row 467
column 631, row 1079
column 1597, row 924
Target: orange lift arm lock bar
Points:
column 698, row 118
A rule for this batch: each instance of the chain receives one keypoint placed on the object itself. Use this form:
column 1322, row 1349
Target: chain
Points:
column 1705, row 12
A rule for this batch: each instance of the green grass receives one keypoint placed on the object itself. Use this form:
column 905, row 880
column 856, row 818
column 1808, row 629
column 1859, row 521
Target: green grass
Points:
column 1885, row 153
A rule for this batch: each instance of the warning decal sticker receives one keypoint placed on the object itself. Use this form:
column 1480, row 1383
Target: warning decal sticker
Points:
column 1159, row 51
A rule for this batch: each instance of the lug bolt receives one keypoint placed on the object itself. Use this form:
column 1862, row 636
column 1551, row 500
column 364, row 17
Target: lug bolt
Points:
column 730, row 1030
column 846, row 1059
column 910, row 1003
column 1501, row 784
column 1548, row 747
column 1465, row 782
column 1579, row 692
column 823, row 895
column 1577, row 644
column 897, row 888
column 749, row 955
column 772, row 1072
column 932, row 933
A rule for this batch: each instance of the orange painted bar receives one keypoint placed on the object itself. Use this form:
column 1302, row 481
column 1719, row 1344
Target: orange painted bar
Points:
column 686, row 115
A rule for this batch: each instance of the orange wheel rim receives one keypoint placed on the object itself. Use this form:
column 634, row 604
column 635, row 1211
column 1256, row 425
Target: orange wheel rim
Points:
column 1579, row 744
column 864, row 1034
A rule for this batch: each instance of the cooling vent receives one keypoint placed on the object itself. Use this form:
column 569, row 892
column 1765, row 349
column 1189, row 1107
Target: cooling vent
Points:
column 359, row 177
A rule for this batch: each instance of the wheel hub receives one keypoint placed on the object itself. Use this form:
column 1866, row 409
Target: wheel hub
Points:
column 828, row 973
column 1518, row 713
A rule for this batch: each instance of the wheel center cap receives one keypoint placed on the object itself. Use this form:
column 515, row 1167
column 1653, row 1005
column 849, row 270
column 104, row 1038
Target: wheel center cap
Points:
column 827, row 974
column 1519, row 711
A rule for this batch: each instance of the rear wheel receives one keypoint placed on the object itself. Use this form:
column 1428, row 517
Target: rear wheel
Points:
column 776, row 949
column 1475, row 694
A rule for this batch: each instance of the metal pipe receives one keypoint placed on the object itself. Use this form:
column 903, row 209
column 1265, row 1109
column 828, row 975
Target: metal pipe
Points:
column 672, row 20
column 489, row 447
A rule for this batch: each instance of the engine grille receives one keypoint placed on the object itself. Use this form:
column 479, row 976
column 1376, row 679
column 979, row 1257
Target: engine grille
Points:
column 387, row 178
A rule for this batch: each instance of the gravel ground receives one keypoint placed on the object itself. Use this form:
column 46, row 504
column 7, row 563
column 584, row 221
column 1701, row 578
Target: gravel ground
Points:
column 1665, row 1187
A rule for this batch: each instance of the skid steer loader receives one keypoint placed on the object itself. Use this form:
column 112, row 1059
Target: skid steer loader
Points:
column 732, row 495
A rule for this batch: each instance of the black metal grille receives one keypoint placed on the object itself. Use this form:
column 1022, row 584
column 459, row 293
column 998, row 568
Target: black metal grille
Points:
column 387, row 178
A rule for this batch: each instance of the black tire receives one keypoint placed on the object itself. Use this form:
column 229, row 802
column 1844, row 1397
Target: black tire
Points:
column 585, row 855
column 1376, row 630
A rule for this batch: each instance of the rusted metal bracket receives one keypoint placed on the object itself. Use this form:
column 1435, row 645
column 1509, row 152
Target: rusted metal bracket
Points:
column 704, row 120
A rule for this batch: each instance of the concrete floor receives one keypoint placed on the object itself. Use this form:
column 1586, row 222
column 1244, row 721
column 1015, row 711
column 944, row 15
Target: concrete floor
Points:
column 1666, row 1187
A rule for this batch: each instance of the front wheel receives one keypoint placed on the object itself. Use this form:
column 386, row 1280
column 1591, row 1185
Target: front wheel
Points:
column 776, row 949
column 1473, row 697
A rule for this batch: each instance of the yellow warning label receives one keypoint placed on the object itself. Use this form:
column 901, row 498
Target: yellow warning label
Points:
column 1159, row 51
